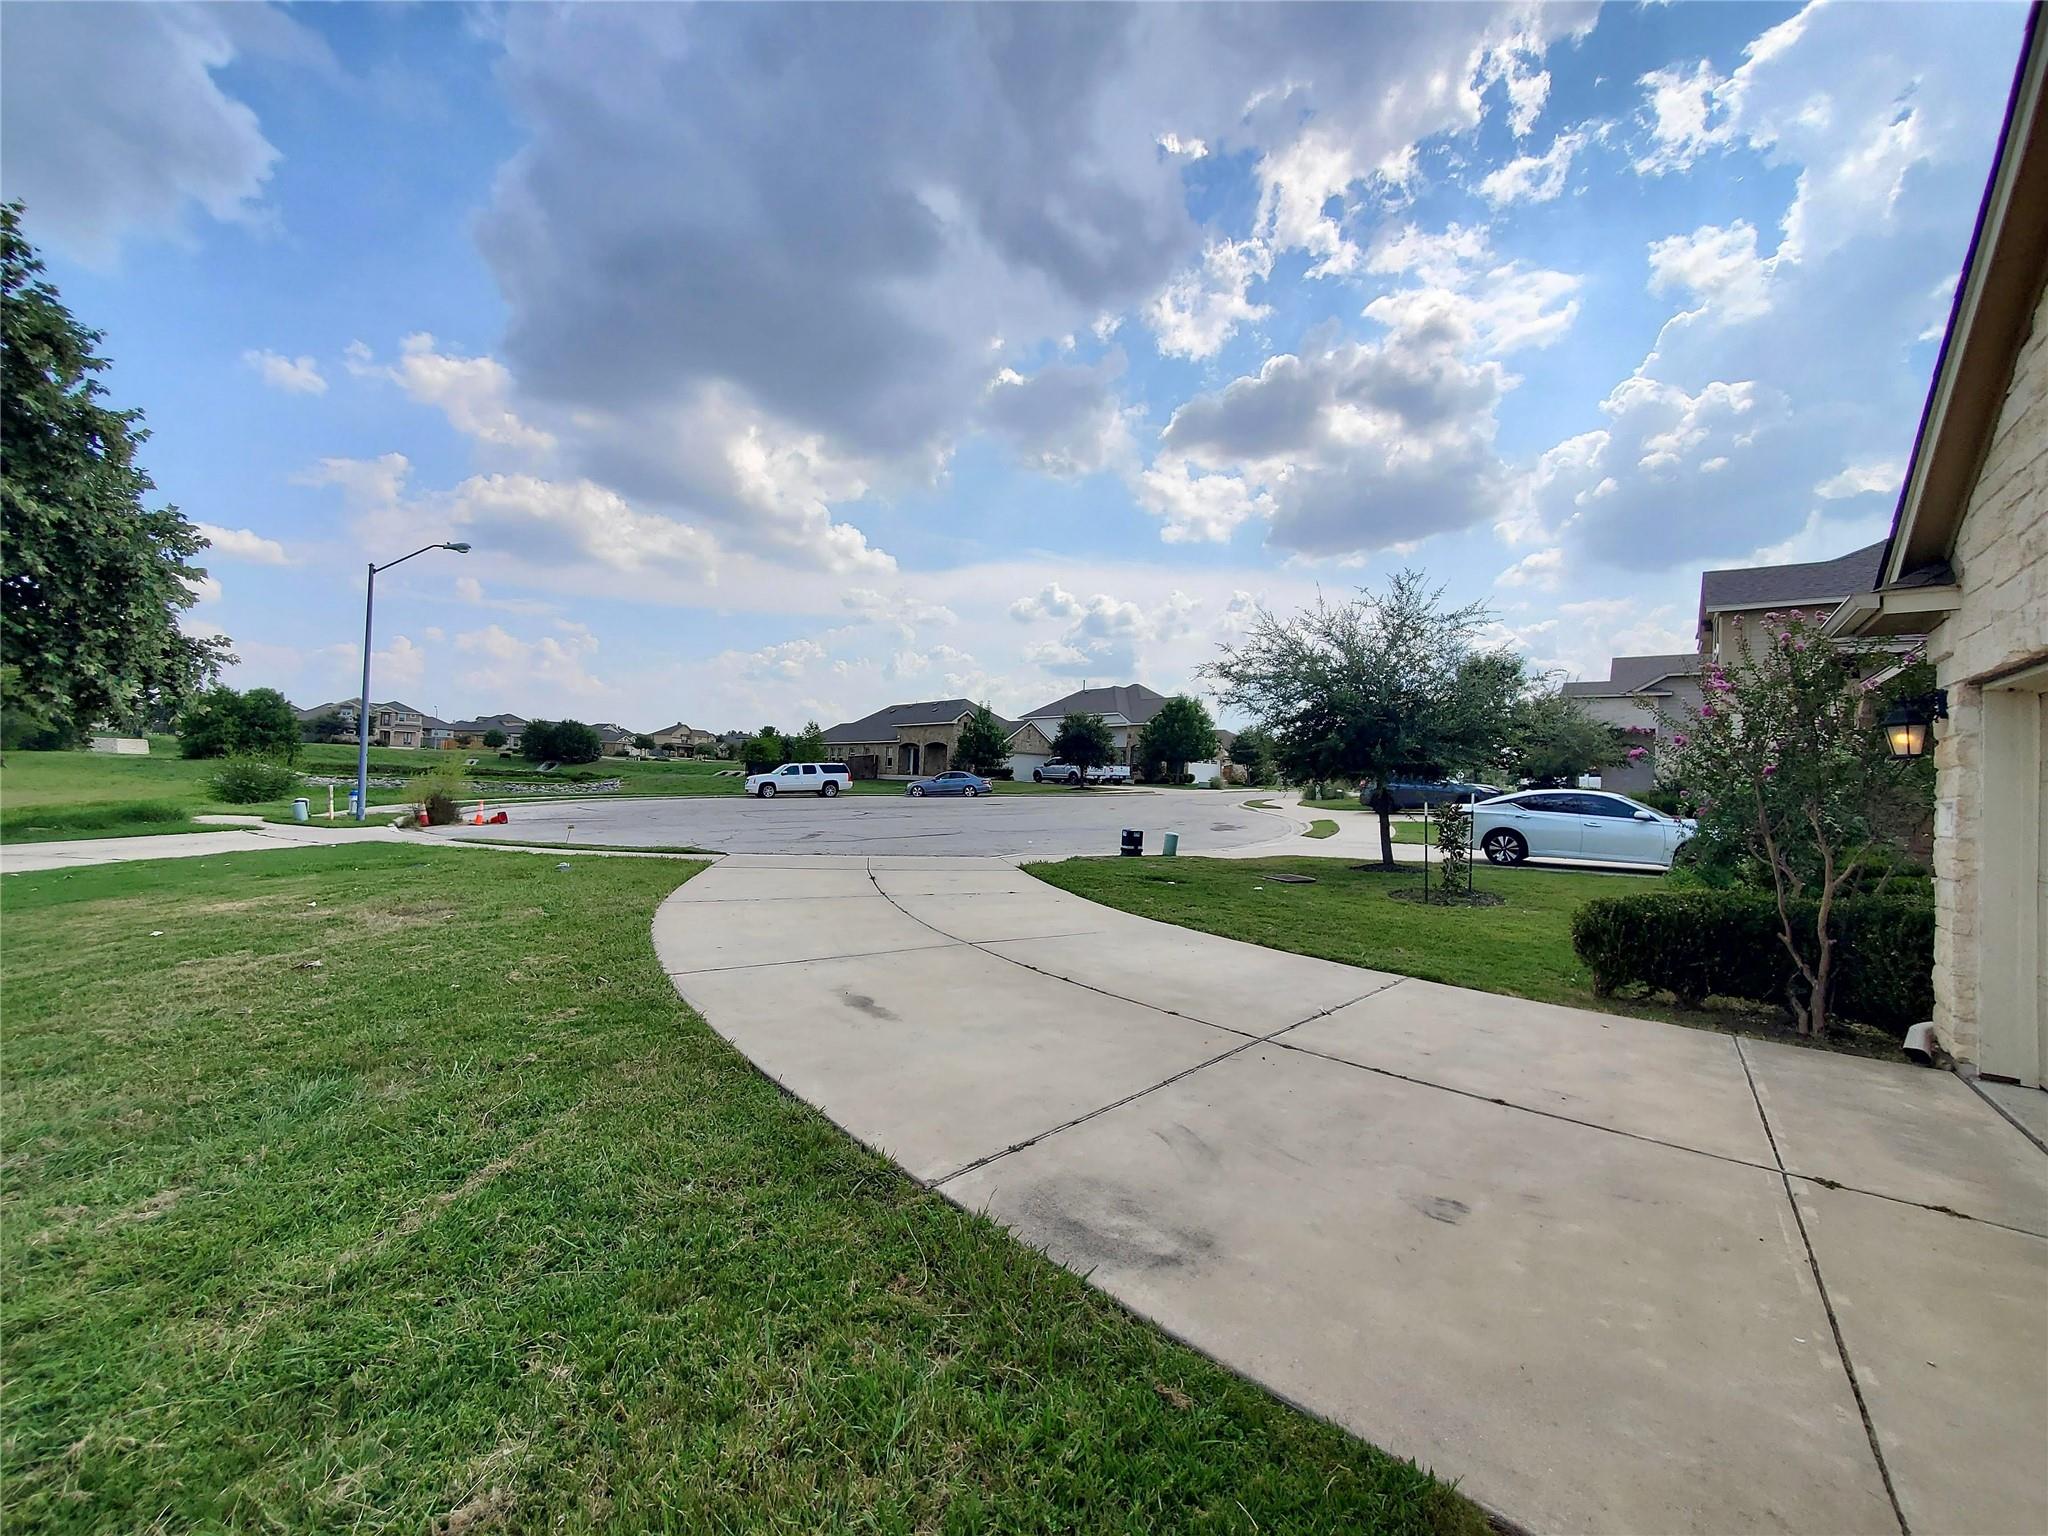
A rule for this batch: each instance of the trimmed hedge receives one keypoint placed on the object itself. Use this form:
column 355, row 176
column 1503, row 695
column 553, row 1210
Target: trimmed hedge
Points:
column 1701, row 944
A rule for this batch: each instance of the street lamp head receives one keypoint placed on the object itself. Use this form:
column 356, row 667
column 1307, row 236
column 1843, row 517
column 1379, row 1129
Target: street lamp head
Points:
column 460, row 549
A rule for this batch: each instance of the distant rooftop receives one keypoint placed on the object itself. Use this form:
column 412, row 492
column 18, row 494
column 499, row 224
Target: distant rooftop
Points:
column 1134, row 701
column 883, row 724
column 1810, row 581
column 1630, row 674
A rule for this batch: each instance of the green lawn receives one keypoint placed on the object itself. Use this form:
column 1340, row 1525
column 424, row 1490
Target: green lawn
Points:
column 1321, row 827
column 394, row 1190
column 1523, row 947
column 128, row 796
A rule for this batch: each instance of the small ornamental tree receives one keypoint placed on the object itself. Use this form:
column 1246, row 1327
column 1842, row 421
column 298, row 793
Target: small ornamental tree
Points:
column 642, row 742
column 1253, row 752
column 984, row 745
column 1454, row 846
column 1085, row 741
column 808, row 744
column 1794, row 786
column 1181, row 733
column 764, row 750
column 494, row 738
column 1386, row 686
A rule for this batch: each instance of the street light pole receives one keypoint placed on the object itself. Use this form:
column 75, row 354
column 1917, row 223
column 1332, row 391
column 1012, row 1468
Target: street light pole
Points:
column 363, row 703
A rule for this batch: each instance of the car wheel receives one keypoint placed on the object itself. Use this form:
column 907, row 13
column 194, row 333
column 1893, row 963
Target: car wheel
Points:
column 829, row 790
column 1504, row 847
column 1073, row 780
column 972, row 792
column 767, row 791
column 917, row 790
column 1037, row 777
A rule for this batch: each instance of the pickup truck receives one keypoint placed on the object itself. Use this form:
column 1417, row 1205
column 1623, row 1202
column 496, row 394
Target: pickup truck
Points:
column 1057, row 772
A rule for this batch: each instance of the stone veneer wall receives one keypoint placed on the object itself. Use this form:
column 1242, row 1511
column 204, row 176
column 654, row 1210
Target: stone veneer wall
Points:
column 2001, row 564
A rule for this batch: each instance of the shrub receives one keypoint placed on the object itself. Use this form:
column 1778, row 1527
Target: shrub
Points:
column 561, row 741
column 440, row 791
column 251, row 780
column 1703, row 943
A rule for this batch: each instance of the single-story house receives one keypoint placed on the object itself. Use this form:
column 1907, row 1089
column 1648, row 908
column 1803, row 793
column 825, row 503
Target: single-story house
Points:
column 1966, row 564
column 902, row 738
column 1640, row 695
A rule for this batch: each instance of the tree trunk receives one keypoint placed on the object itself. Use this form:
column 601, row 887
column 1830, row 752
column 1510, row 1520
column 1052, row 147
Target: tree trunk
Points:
column 1383, row 803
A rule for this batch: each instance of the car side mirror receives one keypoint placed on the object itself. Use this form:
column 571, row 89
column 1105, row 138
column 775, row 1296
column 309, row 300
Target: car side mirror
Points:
column 1646, row 816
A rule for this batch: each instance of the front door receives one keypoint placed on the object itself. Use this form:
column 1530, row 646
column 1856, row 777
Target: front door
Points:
column 2012, row 899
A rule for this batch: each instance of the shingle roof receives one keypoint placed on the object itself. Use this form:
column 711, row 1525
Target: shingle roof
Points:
column 882, row 725
column 1810, row 581
column 1134, row 701
column 1627, row 674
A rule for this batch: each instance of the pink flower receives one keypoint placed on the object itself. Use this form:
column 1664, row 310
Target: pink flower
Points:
column 1706, row 711
column 1678, row 738
column 1769, row 769
column 1637, row 754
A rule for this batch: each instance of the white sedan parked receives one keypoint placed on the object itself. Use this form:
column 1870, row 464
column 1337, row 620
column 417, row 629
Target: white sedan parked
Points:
column 1575, row 824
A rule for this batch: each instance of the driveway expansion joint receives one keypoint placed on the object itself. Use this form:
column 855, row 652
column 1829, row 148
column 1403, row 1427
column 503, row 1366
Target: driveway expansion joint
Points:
column 1826, row 1301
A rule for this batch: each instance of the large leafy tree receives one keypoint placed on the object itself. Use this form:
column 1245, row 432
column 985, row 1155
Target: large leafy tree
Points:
column 1085, row 741
column 91, row 580
column 1793, row 784
column 561, row 741
column 1386, row 686
column 808, row 744
column 223, row 723
column 1181, row 733
column 1552, row 740
column 984, row 745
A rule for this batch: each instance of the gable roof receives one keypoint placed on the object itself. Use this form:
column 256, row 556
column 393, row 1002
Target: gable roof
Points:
column 1134, row 701
column 1809, row 581
column 883, row 724
column 1631, row 674
column 1989, row 319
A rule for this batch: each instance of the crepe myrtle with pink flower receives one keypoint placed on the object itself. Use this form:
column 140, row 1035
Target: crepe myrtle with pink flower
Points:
column 1793, row 786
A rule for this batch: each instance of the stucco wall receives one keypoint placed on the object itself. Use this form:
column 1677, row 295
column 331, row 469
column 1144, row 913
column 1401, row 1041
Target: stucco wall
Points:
column 2001, row 564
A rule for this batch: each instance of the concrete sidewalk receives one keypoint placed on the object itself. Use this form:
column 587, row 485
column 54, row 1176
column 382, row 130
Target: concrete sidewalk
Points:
column 1611, row 1275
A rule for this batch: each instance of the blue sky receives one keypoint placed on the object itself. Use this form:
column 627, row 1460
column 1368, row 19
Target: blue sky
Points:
column 782, row 362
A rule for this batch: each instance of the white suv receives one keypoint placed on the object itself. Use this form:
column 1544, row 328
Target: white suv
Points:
column 800, row 779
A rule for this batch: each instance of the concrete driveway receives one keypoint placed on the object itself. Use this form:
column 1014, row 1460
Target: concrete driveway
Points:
column 1611, row 1275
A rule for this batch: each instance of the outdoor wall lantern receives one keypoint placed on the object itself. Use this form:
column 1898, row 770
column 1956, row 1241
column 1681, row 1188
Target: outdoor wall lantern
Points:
column 1908, row 724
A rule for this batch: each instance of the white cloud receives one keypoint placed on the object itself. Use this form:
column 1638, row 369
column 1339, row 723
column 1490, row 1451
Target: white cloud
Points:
column 113, row 124
column 242, row 544
column 1065, row 420
column 1174, row 144
column 1534, row 178
column 1201, row 309
column 896, row 608
column 294, row 375
column 1861, row 480
column 1051, row 602
column 399, row 666
column 558, row 660
column 1198, row 508
column 1540, row 570
column 1719, row 266
column 474, row 393
column 790, row 658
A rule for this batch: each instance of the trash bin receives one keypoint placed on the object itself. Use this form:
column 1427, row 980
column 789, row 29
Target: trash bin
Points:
column 1172, row 845
column 302, row 809
column 355, row 805
column 1134, row 842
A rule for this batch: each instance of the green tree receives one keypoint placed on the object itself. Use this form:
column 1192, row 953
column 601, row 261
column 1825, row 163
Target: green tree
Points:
column 765, row 749
column 1085, row 741
column 643, row 742
column 561, row 741
column 808, row 744
column 328, row 726
column 1378, row 688
column 1253, row 751
column 494, row 737
column 91, row 580
column 1793, row 783
column 1552, row 740
column 223, row 723
column 984, row 745
column 1181, row 733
